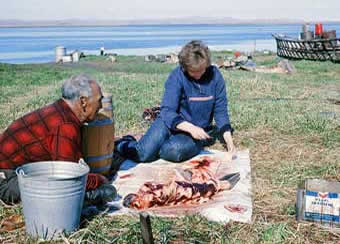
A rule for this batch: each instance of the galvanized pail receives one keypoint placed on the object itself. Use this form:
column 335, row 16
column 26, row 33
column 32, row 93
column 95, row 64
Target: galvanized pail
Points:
column 52, row 194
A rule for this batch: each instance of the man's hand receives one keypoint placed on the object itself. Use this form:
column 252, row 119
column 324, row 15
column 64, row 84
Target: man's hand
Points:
column 196, row 132
column 94, row 180
column 230, row 144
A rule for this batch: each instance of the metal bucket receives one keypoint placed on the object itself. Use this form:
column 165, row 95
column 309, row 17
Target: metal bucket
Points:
column 52, row 195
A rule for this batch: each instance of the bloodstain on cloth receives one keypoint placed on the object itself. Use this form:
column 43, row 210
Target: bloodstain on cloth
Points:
column 193, row 185
column 235, row 208
column 126, row 176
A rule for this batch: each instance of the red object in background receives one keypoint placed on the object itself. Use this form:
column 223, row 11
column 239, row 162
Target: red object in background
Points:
column 318, row 29
column 237, row 54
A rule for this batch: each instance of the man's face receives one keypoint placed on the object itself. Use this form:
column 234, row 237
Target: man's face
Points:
column 197, row 72
column 94, row 102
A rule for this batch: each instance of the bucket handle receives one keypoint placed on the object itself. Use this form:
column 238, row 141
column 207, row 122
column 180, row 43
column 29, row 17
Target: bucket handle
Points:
column 22, row 172
column 82, row 162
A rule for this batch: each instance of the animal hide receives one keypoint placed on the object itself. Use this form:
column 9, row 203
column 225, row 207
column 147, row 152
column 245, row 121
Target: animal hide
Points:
column 193, row 185
column 218, row 203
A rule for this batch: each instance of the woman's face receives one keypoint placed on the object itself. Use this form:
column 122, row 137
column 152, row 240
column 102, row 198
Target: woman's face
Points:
column 197, row 72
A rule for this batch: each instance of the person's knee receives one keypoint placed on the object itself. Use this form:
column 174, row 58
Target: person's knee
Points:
column 149, row 145
column 179, row 148
column 146, row 156
column 170, row 152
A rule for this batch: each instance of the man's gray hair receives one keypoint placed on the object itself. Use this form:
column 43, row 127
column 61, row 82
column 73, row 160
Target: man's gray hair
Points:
column 76, row 87
column 194, row 54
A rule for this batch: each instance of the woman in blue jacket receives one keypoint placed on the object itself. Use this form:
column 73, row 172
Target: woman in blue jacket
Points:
column 194, row 95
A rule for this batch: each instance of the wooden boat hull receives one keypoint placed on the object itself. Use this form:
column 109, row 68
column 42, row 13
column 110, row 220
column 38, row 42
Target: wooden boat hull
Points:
column 316, row 49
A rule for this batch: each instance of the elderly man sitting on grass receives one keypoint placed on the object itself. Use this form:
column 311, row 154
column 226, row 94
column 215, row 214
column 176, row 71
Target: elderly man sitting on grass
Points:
column 53, row 133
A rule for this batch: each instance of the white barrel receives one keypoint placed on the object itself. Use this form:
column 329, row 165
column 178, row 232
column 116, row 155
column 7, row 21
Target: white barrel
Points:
column 75, row 56
column 67, row 59
column 60, row 52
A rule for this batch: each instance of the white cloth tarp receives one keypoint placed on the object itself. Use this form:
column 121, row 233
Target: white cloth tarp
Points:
column 234, row 204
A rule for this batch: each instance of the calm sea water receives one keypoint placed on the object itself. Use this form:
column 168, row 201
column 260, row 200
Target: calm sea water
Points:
column 37, row 44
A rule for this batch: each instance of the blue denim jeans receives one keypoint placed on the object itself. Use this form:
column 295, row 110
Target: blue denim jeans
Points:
column 160, row 142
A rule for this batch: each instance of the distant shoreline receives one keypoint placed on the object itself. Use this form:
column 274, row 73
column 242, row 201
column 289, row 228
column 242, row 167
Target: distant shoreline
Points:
column 48, row 26
column 181, row 22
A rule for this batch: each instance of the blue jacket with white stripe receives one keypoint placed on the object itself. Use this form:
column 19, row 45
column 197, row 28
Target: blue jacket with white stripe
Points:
column 196, row 101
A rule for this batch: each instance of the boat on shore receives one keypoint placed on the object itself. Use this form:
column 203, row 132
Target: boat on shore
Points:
column 323, row 46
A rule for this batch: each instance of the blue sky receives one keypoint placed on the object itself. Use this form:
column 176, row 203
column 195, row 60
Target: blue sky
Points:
column 308, row 10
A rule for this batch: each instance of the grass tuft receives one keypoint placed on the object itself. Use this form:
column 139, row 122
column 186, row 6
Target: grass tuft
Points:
column 286, row 121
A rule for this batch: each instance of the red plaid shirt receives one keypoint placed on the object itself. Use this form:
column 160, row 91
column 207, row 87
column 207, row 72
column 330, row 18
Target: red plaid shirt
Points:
column 49, row 133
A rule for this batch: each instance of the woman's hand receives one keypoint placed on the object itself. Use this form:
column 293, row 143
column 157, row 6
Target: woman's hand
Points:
column 229, row 141
column 196, row 132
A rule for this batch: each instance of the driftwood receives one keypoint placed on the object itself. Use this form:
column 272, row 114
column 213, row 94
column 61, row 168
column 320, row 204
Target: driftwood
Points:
column 239, row 59
column 112, row 59
column 225, row 64
column 171, row 58
column 335, row 101
column 149, row 58
column 283, row 67
column 246, row 63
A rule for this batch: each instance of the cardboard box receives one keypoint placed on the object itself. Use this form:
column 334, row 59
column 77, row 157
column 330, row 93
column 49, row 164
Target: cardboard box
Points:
column 319, row 201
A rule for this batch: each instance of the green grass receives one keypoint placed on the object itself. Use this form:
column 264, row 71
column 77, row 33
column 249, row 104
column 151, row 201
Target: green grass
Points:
column 276, row 233
column 286, row 121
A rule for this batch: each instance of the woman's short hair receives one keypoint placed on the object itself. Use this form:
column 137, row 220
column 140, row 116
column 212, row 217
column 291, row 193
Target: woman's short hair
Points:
column 76, row 87
column 194, row 54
